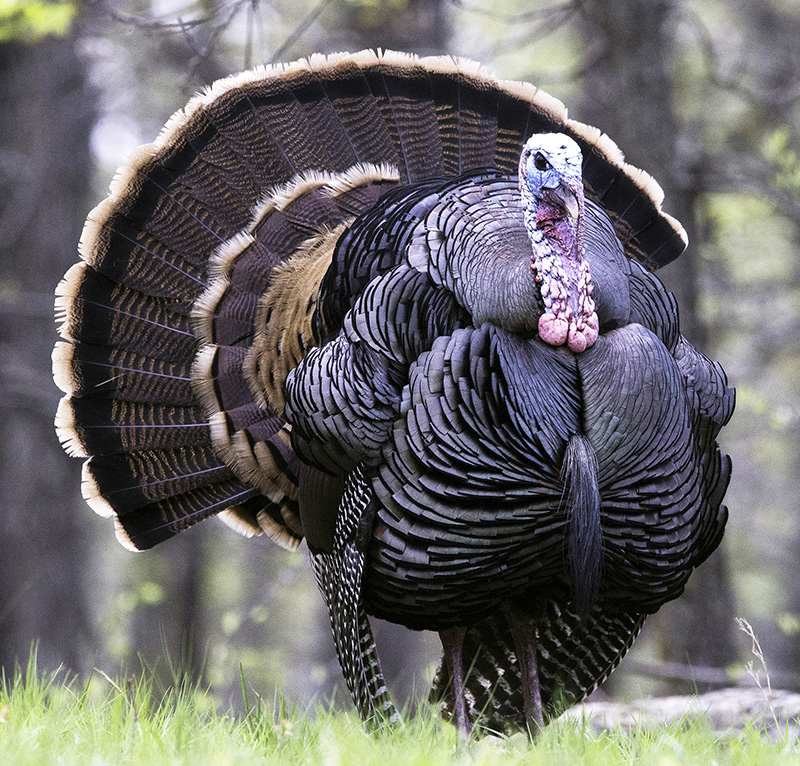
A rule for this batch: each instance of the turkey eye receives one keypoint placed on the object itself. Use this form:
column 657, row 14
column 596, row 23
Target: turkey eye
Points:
column 540, row 162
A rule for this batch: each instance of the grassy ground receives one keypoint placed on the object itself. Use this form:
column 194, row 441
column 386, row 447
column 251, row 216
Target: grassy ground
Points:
column 49, row 721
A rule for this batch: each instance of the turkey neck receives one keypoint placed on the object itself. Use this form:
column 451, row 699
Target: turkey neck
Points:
column 562, row 273
column 559, row 229
column 564, row 239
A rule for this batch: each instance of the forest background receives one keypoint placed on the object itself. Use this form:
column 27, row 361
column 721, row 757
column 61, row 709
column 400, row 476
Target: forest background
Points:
column 703, row 94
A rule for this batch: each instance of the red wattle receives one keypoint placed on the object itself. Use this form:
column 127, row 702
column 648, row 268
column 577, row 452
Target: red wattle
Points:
column 553, row 330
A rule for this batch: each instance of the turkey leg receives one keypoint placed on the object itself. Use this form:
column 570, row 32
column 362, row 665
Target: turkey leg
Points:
column 523, row 630
column 453, row 645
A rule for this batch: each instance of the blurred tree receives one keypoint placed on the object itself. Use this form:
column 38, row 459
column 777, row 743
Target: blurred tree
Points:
column 764, row 158
column 48, row 112
column 418, row 26
column 630, row 91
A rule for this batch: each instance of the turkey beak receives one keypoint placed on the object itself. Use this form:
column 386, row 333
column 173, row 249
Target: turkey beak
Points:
column 567, row 198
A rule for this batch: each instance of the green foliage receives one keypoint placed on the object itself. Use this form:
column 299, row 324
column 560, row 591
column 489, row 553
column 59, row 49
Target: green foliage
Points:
column 31, row 20
column 778, row 150
column 746, row 224
column 45, row 720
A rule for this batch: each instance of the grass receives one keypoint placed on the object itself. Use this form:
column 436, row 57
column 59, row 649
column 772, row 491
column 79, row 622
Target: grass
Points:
column 53, row 721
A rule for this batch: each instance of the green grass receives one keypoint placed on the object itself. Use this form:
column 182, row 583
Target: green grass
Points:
column 52, row 721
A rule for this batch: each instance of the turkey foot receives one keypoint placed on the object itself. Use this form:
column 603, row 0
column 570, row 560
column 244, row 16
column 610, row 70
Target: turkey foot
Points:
column 523, row 630
column 453, row 645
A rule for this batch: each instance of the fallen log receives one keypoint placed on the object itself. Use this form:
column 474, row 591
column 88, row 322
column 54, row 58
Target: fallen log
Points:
column 728, row 712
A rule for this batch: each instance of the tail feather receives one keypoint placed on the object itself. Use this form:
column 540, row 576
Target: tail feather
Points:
column 151, row 524
column 467, row 116
column 408, row 110
column 100, row 372
column 242, row 108
column 585, row 543
column 279, row 522
column 337, row 151
column 105, row 426
column 513, row 118
column 135, row 258
column 226, row 185
column 275, row 271
column 95, row 310
column 142, row 478
column 358, row 111
column 286, row 106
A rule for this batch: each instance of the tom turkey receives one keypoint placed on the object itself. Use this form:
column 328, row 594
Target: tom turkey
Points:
column 404, row 311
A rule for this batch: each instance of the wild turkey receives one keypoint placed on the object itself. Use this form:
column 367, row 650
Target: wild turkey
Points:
column 404, row 310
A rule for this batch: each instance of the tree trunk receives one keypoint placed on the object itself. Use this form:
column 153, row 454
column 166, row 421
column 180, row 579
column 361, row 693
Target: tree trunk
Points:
column 629, row 94
column 420, row 27
column 45, row 529
column 773, row 31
